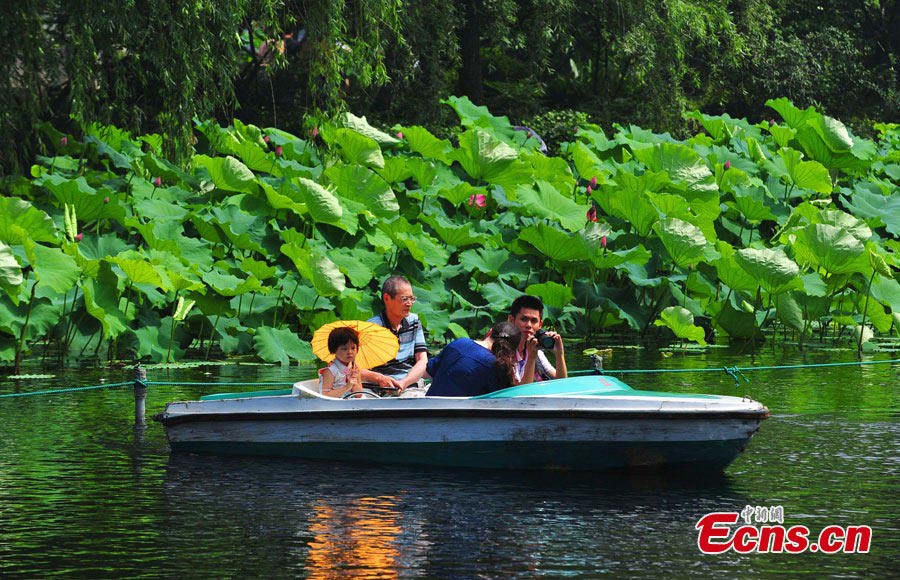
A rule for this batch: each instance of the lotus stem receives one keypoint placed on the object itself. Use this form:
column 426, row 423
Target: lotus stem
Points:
column 18, row 360
column 862, row 326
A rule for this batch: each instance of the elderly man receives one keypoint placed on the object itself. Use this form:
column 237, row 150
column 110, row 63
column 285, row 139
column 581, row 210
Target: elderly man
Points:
column 409, row 365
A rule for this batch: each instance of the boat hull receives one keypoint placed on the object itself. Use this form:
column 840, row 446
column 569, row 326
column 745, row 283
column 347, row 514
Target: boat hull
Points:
column 589, row 423
column 567, row 444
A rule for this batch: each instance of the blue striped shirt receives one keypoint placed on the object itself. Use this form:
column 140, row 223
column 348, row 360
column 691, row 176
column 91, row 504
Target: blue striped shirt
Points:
column 412, row 340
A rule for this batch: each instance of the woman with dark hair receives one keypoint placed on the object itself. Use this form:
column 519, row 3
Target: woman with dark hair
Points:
column 466, row 368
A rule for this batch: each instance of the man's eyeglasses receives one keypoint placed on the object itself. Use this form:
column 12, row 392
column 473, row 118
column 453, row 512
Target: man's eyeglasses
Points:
column 407, row 300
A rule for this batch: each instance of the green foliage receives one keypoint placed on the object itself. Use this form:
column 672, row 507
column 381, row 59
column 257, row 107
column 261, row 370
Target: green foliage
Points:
column 248, row 250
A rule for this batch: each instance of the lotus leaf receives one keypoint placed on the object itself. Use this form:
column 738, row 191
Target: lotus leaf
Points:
column 88, row 203
column 471, row 115
column 20, row 221
column 683, row 240
column 52, row 268
column 452, row 234
column 356, row 264
column 771, row 268
column 10, row 271
column 810, row 175
column 681, row 322
column 362, row 126
column 137, row 269
column 244, row 229
column 734, row 322
column 154, row 341
column 789, row 311
column 396, row 170
column 357, row 148
column 41, row 316
column 830, row 247
column 683, row 165
column 157, row 209
column 487, row 262
column 554, row 244
column 281, row 345
column 500, row 294
column 586, row 161
column 550, row 169
column 482, row 155
column 229, row 285
column 287, row 196
column 547, row 202
column 361, row 185
column 752, row 204
column 421, row 141
column 325, row 276
column 552, row 294
column 883, row 208
column 101, row 300
column 228, row 174
column 793, row 116
column 813, row 285
column 638, row 255
column 323, row 205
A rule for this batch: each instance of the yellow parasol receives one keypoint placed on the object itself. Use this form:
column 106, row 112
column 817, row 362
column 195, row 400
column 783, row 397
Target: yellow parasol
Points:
column 377, row 344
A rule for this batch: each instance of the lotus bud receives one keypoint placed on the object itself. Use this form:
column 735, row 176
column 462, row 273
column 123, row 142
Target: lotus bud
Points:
column 588, row 191
column 64, row 141
column 79, row 237
column 593, row 182
column 399, row 134
column 603, row 242
column 278, row 151
column 479, row 200
column 314, row 132
column 157, row 182
column 266, row 138
column 106, row 199
column 592, row 214
column 727, row 165
column 771, row 122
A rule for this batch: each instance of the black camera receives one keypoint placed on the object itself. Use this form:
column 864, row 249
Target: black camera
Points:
column 544, row 339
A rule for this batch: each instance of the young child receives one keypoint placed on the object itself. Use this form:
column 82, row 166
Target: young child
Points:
column 342, row 375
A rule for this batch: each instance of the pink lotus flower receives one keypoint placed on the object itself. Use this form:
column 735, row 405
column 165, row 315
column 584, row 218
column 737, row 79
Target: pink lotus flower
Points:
column 399, row 134
column 727, row 165
column 479, row 200
column 278, row 151
column 106, row 199
column 314, row 132
column 266, row 138
column 157, row 182
column 603, row 242
column 593, row 184
column 64, row 141
column 79, row 237
column 592, row 214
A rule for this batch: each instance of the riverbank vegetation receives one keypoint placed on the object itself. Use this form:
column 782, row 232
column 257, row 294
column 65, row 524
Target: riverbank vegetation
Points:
column 222, row 179
column 109, row 250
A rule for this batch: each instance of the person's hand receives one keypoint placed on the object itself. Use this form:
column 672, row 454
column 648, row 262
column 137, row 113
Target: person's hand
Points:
column 531, row 347
column 557, row 342
column 353, row 378
column 385, row 381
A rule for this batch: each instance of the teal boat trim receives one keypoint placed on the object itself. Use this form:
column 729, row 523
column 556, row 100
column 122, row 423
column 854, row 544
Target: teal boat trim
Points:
column 247, row 395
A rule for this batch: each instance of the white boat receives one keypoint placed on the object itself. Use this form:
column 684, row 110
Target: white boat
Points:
column 593, row 422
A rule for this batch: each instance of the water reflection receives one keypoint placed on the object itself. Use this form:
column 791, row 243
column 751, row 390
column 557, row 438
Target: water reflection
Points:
column 381, row 522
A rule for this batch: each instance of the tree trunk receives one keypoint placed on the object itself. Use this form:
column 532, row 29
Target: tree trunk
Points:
column 470, row 51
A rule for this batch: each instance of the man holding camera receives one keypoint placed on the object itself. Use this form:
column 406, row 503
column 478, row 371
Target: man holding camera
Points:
column 527, row 313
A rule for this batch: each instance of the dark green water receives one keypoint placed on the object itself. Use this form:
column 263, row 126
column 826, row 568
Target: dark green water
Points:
column 84, row 495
